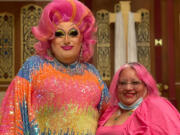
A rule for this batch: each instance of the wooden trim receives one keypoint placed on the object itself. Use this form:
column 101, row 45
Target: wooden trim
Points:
column 4, row 85
column 177, row 83
column 171, row 65
column 158, row 35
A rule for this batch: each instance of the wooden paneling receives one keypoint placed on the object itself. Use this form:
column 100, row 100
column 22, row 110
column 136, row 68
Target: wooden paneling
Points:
column 15, row 8
column 177, row 48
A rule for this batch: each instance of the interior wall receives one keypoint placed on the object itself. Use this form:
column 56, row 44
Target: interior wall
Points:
column 149, row 4
column 177, row 49
column 135, row 5
column 14, row 8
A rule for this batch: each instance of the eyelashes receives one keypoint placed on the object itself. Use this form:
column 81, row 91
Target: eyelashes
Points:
column 59, row 33
column 72, row 32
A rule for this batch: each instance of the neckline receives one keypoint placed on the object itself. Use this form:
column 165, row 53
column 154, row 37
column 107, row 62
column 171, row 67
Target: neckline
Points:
column 132, row 106
column 111, row 113
column 72, row 65
column 75, row 68
column 54, row 60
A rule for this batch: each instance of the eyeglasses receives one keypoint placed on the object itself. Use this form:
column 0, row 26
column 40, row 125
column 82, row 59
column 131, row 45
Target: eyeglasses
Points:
column 133, row 83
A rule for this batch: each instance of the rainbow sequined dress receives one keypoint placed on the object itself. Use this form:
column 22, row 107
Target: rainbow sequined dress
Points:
column 49, row 98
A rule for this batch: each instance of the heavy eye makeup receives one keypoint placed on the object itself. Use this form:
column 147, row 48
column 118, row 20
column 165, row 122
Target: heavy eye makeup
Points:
column 73, row 32
column 59, row 33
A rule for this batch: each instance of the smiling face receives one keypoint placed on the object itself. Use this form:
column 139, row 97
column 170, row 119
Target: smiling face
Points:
column 66, row 45
column 130, row 88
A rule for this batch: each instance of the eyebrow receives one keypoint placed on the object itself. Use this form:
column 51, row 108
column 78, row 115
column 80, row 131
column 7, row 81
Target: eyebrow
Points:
column 72, row 26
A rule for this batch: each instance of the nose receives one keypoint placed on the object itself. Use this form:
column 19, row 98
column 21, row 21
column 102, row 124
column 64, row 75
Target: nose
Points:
column 128, row 86
column 67, row 40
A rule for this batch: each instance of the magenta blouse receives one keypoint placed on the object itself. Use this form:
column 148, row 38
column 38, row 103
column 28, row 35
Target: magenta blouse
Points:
column 155, row 116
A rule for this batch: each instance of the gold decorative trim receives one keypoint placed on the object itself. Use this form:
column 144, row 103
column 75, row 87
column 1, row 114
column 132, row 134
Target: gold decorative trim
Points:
column 143, row 38
column 103, row 45
column 7, row 45
column 30, row 15
column 104, row 18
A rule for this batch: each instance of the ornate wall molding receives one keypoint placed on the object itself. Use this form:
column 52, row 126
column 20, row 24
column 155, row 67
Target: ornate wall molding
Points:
column 6, row 46
column 103, row 45
column 30, row 15
column 143, row 39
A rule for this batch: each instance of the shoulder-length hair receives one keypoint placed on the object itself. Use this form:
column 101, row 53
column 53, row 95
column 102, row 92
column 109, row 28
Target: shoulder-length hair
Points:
column 59, row 11
column 142, row 74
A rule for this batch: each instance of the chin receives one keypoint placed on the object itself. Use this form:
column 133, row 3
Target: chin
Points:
column 70, row 55
column 130, row 102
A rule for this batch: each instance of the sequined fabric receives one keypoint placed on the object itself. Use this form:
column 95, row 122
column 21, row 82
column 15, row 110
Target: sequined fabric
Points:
column 47, row 97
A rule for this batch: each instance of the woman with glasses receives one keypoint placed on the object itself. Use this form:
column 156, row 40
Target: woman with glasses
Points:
column 56, row 92
column 135, row 106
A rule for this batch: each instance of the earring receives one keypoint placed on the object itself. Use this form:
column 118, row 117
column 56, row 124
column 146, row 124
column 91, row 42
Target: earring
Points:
column 49, row 54
column 81, row 55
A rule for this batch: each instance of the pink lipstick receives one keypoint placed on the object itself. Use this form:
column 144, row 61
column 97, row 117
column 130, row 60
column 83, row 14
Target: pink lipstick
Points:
column 67, row 47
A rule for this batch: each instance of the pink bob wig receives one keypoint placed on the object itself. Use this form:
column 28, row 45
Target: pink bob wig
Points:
column 142, row 74
column 59, row 11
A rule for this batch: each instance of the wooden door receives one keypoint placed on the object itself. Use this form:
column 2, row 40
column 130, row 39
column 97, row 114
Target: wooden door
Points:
column 177, row 50
column 170, row 64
